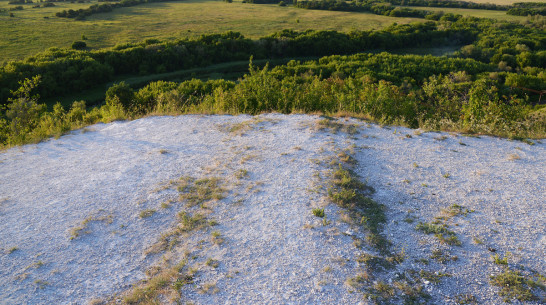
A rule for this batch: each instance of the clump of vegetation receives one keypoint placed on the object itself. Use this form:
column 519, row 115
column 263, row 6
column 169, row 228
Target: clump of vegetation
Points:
column 79, row 45
column 318, row 212
column 407, row 288
column 466, row 299
column 456, row 210
column 41, row 283
column 515, row 286
column 329, row 123
column 165, row 281
column 146, row 213
column 440, row 228
column 212, row 263
column 501, row 261
column 433, row 277
column 216, row 238
column 187, row 223
column 349, row 192
column 242, row 173
column 440, row 231
column 373, row 262
column 442, row 256
column 83, row 227
column 199, row 191
column 209, row 288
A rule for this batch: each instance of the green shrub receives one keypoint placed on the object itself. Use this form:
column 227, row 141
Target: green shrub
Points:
column 79, row 45
column 121, row 93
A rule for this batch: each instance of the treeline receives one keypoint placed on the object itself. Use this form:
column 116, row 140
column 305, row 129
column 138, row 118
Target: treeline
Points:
column 20, row 2
column 528, row 8
column 102, row 8
column 377, row 7
column 265, row 1
column 387, row 7
column 450, row 4
column 68, row 71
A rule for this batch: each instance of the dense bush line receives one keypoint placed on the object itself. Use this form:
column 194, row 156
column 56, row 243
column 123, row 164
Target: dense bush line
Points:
column 528, row 8
column 450, row 4
column 452, row 101
column 102, row 8
column 373, row 6
column 509, row 47
column 389, row 7
column 68, row 71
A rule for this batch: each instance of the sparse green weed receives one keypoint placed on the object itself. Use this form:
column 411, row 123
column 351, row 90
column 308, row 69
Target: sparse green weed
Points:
column 456, row 210
column 100, row 216
column 442, row 257
column 433, row 277
column 242, row 173
column 463, row 299
column 513, row 285
column 209, row 288
column 501, row 261
column 41, row 283
column 217, row 238
column 146, row 213
column 477, row 240
column 212, row 263
column 200, row 191
column 441, row 232
column 164, row 280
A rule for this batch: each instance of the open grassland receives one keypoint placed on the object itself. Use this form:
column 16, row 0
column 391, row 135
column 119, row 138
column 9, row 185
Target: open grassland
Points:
column 30, row 32
column 36, row 29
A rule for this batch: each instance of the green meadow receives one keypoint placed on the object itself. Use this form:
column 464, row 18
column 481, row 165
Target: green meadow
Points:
column 33, row 30
column 30, row 32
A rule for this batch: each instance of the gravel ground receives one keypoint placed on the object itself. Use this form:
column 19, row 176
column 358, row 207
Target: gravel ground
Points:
column 274, row 250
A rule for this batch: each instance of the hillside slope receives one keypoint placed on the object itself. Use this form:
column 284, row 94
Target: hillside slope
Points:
column 228, row 203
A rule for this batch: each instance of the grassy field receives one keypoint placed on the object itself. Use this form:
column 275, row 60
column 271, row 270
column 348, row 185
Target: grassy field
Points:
column 35, row 29
column 30, row 32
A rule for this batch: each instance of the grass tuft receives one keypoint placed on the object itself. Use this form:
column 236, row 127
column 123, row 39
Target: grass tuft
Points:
column 146, row 213
column 440, row 231
column 514, row 286
column 83, row 227
column 201, row 191
column 318, row 212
